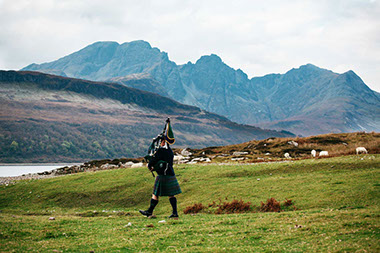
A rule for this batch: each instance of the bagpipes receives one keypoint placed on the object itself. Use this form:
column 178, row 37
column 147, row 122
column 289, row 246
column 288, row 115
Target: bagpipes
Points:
column 167, row 135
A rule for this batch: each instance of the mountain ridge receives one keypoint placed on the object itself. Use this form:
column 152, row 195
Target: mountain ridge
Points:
column 212, row 85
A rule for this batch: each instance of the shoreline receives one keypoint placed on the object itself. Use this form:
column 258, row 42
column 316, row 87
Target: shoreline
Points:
column 39, row 164
column 48, row 173
column 23, row 169
column 31, row 176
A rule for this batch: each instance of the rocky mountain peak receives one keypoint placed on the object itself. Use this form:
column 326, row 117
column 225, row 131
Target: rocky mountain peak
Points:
column 138, row 44
column 101, row 44
column 210, row 59
column 352, row 80
column 103, row 50
column 352, row 75
column 307, row 69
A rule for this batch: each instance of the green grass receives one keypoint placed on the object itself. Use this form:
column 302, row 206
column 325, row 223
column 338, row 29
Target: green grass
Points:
column 337, row 201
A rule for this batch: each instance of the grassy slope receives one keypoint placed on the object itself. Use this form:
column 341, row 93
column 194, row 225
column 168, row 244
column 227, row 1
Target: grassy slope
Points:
column 338, row 200
column 275, row 148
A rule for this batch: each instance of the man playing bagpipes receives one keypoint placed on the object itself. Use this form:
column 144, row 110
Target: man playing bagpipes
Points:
column 160, row 159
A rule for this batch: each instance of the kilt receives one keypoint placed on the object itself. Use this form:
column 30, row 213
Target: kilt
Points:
column 166, row 186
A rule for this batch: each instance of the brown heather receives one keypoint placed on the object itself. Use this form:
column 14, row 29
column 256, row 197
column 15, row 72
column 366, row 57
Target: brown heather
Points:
column 239, row 206
column 288, row 202
column 235, row 206
column 271, row 205
column 196, row 208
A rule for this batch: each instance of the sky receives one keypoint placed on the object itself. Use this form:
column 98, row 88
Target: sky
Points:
column 259, row 37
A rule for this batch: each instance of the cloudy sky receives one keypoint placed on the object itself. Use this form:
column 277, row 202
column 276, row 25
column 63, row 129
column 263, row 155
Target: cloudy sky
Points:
column 259, row 37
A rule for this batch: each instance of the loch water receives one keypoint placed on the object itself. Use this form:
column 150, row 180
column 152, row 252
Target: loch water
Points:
column 18, row 169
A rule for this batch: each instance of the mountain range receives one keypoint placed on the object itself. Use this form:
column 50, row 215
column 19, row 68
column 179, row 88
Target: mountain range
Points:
column 307, row 100
column 48, row 118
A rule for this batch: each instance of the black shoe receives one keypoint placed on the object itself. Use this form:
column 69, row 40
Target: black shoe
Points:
column 146, row 213
column 173, row 215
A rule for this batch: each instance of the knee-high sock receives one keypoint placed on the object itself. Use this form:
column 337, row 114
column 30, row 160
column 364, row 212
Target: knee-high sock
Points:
column 153, row 203
column 173, row 202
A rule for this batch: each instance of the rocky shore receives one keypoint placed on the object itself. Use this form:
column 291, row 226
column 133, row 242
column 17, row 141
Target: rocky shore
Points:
column 67, row 170
column 12, row 180
column 183, row 156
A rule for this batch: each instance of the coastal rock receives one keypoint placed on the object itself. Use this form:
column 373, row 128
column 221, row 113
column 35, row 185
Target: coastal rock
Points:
column 185, row 152
column 239, row 153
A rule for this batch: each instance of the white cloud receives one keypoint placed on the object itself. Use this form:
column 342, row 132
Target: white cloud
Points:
column 259, row 37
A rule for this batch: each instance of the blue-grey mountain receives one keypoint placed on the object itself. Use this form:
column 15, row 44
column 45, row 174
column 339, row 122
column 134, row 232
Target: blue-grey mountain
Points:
column 308, row 100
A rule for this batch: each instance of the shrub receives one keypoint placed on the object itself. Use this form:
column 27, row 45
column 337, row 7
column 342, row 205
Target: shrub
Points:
column 288, row 205
column 196, row 208
column 271, row 205
column 235, row 206
column 239, row 206
column 213, row 204
column 288, row 202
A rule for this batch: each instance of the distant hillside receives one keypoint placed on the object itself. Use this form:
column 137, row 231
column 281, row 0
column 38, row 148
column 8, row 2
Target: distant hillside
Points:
column 307, row 101
column 273, row 149
column 46, row 118
column 256, row 151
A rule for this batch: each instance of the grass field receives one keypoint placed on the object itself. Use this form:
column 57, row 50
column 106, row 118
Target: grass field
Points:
column 337, row 200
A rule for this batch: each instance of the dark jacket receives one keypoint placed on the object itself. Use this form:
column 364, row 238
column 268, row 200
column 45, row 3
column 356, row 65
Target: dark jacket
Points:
column 163, row 154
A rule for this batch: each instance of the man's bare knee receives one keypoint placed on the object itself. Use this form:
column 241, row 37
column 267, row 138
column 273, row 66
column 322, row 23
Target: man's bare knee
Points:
column 154, row 197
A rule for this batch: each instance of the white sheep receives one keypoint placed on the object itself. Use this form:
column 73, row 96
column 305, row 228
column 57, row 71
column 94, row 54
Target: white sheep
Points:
column 287, row 156
column 137, row 165
column 128, row 164
column 324, row 153
column 361, row 150
column 314, row 153
column 295, row 144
